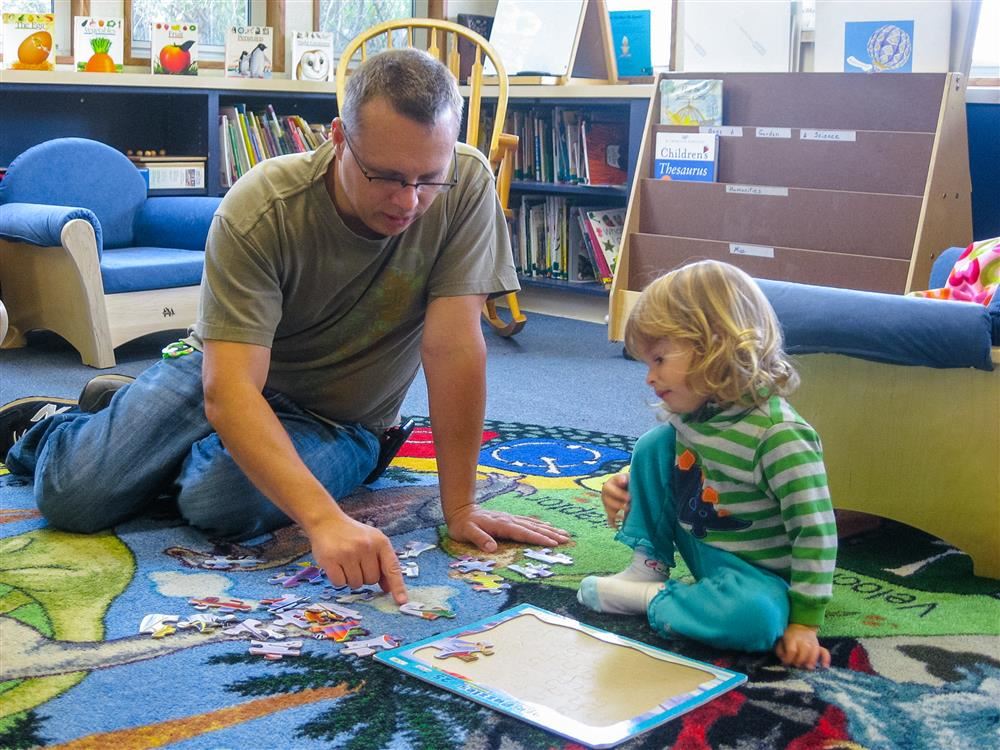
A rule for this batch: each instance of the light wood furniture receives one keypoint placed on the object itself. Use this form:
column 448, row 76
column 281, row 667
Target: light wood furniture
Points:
column 440, row 39
column 869, row 211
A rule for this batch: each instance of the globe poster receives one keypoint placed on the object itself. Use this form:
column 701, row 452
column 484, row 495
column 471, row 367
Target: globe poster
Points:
column 878, row 46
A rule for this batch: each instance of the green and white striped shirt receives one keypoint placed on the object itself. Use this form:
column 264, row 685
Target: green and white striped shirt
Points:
column 764, row 465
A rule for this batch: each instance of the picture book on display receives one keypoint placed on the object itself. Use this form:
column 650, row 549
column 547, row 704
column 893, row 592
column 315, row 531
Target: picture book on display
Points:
column 583, row 683
column 174, row 48
column 98, row 44
column 312, row 56
column 248, row 51
column 686, row 156
column 630, row 33
column 28, row 41
column 690, row 101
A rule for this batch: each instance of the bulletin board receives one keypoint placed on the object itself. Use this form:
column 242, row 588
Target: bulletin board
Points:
column 583, row 683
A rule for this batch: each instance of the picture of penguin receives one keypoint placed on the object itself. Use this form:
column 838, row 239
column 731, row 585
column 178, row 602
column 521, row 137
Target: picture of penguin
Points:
column 314, row 65
column 259, row 63
column 243, row 66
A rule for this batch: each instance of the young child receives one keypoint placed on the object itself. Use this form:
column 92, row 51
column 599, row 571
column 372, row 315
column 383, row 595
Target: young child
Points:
column 735, row 478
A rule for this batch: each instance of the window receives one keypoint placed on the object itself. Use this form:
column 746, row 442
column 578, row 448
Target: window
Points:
column 985, row 70
column 213, row 18
column 348, row 18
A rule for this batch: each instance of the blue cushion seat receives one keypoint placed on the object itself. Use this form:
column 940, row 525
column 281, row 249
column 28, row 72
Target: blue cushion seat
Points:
column 134, row 269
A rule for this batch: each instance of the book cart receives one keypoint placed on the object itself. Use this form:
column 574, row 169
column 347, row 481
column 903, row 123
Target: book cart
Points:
column 835, row 179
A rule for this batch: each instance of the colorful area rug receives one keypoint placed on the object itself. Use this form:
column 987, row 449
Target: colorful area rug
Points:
column 915, row 637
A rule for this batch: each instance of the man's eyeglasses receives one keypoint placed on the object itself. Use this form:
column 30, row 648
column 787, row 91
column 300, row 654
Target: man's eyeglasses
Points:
column 396, row 183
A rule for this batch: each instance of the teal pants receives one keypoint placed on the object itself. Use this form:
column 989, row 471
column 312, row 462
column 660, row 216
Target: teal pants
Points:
column 732, row 604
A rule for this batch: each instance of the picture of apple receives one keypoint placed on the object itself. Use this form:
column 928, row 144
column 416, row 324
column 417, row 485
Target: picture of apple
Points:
column 176, row 59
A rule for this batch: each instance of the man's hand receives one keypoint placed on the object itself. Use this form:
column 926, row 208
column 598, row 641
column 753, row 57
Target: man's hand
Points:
column 799, row 647
column 615, row 496
column 353, row 554
column 483, row 527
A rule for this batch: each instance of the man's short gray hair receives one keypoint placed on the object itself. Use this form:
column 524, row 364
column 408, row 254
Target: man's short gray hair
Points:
column 414, row 83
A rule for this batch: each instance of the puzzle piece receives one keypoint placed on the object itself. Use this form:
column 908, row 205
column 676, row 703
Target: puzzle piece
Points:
column 371, row 645
column 413, row 549
column 309, row 574
column 409, row 568
column 256, row 629
column 159, row 625
column 280, row 603
column 468, row 564
column 339, row 631
column 206, row 622
column 532, row 570
column 295, row 618
column 488, row 582
column 347, row 595
column 546, row 555
column 275, row 651
column 220, row 562
column 461, row 649
column 336, row 611
column 426, row 611
column 215, row 602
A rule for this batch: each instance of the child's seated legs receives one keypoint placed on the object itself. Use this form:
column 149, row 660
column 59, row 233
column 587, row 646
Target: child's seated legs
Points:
column 648, row 529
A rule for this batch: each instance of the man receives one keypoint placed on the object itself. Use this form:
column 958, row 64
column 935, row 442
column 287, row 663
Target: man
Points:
column 329, row 277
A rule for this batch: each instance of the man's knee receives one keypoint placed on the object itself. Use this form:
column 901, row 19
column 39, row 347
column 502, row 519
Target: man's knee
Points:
column 73, row 508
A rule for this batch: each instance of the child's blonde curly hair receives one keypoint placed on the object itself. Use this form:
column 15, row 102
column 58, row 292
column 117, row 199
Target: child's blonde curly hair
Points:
column 720, row 312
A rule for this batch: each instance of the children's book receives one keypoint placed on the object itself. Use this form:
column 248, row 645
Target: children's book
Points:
column 98, row 44
column 586, row 684
column 604, row 228
column 248, row 51
column 312, row 56
column 630, row 32
column 28, row 41
column 605, row 137
column 691, row 101
column 174, row 48
column 686, row 156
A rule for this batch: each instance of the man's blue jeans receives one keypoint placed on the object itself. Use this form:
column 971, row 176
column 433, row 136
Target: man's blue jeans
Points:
column 93, row 471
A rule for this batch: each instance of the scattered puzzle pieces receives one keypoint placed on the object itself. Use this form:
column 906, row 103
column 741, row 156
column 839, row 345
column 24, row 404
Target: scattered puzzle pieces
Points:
column 206, row 622
column 309, row 574
column 488, row 582
column 256, row 629
column 159, row 625
column 281, row 603
column 371, row 645
column 426, row 611
column 546, row 555
column 410, row 568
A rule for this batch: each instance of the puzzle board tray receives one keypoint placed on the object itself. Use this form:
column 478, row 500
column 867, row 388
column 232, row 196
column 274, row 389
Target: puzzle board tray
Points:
column 583, row 683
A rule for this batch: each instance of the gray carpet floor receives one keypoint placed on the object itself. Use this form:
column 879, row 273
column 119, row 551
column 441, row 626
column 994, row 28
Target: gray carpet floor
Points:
column 556, row 372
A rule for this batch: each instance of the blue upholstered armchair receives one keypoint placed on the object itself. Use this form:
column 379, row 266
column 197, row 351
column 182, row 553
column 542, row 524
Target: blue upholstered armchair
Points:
column 84, row 252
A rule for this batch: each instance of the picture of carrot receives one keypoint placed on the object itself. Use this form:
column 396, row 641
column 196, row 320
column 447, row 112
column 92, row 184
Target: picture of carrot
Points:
column 100, row 61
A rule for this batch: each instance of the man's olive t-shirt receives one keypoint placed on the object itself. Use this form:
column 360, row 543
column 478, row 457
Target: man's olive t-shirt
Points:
column 342, row 314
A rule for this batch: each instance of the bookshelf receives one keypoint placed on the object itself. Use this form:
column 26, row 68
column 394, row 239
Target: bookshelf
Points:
column 139, row 111
column 868, row 209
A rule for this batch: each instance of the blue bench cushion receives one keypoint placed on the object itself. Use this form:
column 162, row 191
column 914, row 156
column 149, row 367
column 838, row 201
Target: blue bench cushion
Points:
column 134, row 269
column 881, row 327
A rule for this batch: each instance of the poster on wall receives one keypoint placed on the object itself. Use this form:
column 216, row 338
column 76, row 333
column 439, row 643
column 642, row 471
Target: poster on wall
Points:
column 248, row 51
column 98, row 44
column 173, row 48
column 868, row 36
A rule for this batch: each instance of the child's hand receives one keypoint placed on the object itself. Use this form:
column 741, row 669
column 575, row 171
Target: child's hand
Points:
column 614, row 495
column 799, row 647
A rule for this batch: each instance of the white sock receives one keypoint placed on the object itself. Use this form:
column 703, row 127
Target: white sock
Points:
column 617, row 596
column 643, row 568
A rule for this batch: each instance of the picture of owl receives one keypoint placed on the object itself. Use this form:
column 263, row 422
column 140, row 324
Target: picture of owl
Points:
column 314, row 65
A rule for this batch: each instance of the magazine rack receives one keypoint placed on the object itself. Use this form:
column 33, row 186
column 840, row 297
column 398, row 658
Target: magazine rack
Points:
column 875, row 189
